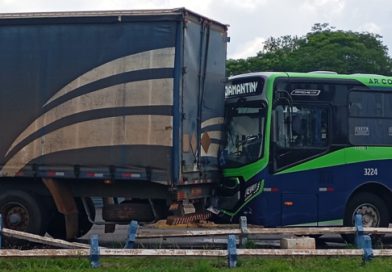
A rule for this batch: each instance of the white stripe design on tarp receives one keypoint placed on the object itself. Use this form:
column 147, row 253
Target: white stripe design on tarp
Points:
column 139, row 93
column 212, row 122
column 112, row 131
column 214, row 134
column 158, row 58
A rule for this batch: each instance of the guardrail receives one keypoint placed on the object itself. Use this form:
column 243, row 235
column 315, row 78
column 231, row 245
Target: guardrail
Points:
column 95, row 252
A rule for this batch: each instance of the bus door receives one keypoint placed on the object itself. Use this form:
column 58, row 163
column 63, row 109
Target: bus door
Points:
column 300, row 134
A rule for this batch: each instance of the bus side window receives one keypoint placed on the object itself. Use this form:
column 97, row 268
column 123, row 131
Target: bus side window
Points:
column 370, row 118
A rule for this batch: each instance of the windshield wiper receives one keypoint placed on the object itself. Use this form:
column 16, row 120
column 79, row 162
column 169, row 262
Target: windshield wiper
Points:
column 247, row 139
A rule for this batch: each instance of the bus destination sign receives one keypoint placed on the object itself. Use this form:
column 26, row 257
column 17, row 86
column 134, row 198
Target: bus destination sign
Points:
column 247, row 87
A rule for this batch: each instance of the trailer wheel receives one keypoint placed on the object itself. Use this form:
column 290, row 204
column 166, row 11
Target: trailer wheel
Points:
column 56, row 227
column 23, row 211
column 374, row 211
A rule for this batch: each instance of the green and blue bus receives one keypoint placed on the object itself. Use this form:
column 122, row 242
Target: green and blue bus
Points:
column 310, row 149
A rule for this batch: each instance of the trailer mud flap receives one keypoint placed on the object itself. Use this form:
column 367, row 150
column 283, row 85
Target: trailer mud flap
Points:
column 65, row 204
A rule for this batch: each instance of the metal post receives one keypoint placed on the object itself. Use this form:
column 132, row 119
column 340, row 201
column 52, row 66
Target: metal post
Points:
column 244, row 230
column 231, row 251
column 132, row 231
column 367, row 249
column 358, row 230
column 361, row 240
column 94, row 251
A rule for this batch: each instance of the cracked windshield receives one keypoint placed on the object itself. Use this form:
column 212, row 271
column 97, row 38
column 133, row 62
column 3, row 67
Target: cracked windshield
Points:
column 245, row 128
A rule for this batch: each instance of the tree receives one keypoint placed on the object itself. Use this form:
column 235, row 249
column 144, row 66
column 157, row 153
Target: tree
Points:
column 322, row 49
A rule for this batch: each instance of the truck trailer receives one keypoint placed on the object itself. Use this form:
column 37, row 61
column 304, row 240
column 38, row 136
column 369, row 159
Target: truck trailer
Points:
column 121, row 106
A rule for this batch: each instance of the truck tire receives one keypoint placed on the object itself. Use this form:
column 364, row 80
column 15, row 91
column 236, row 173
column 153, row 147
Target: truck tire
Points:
column 23, row 211
column 374, row 211
column 56, row 227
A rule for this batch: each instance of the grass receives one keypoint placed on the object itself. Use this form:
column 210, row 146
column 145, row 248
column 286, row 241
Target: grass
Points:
column 308, row 264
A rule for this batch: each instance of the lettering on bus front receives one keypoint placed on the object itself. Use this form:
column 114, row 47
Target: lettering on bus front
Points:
column 249, row 86
column 241, row 89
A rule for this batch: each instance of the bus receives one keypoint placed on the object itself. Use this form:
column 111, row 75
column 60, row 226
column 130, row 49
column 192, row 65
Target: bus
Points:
column 307, row 149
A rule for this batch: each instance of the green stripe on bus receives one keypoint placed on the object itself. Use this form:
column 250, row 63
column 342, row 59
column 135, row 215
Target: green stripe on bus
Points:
column 336, row 222
column 343, row 156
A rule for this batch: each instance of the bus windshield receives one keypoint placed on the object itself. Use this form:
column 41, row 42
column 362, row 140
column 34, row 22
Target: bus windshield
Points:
column 244, row 134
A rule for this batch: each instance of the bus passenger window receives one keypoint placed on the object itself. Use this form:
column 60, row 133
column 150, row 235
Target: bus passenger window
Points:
column 370, row 120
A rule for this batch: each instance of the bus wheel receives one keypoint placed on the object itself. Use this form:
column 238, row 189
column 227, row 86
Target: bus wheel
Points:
column 23, row 211
column 373, row 209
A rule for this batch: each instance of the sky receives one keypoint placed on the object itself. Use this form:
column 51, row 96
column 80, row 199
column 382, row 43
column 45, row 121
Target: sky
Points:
column 250, row 22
